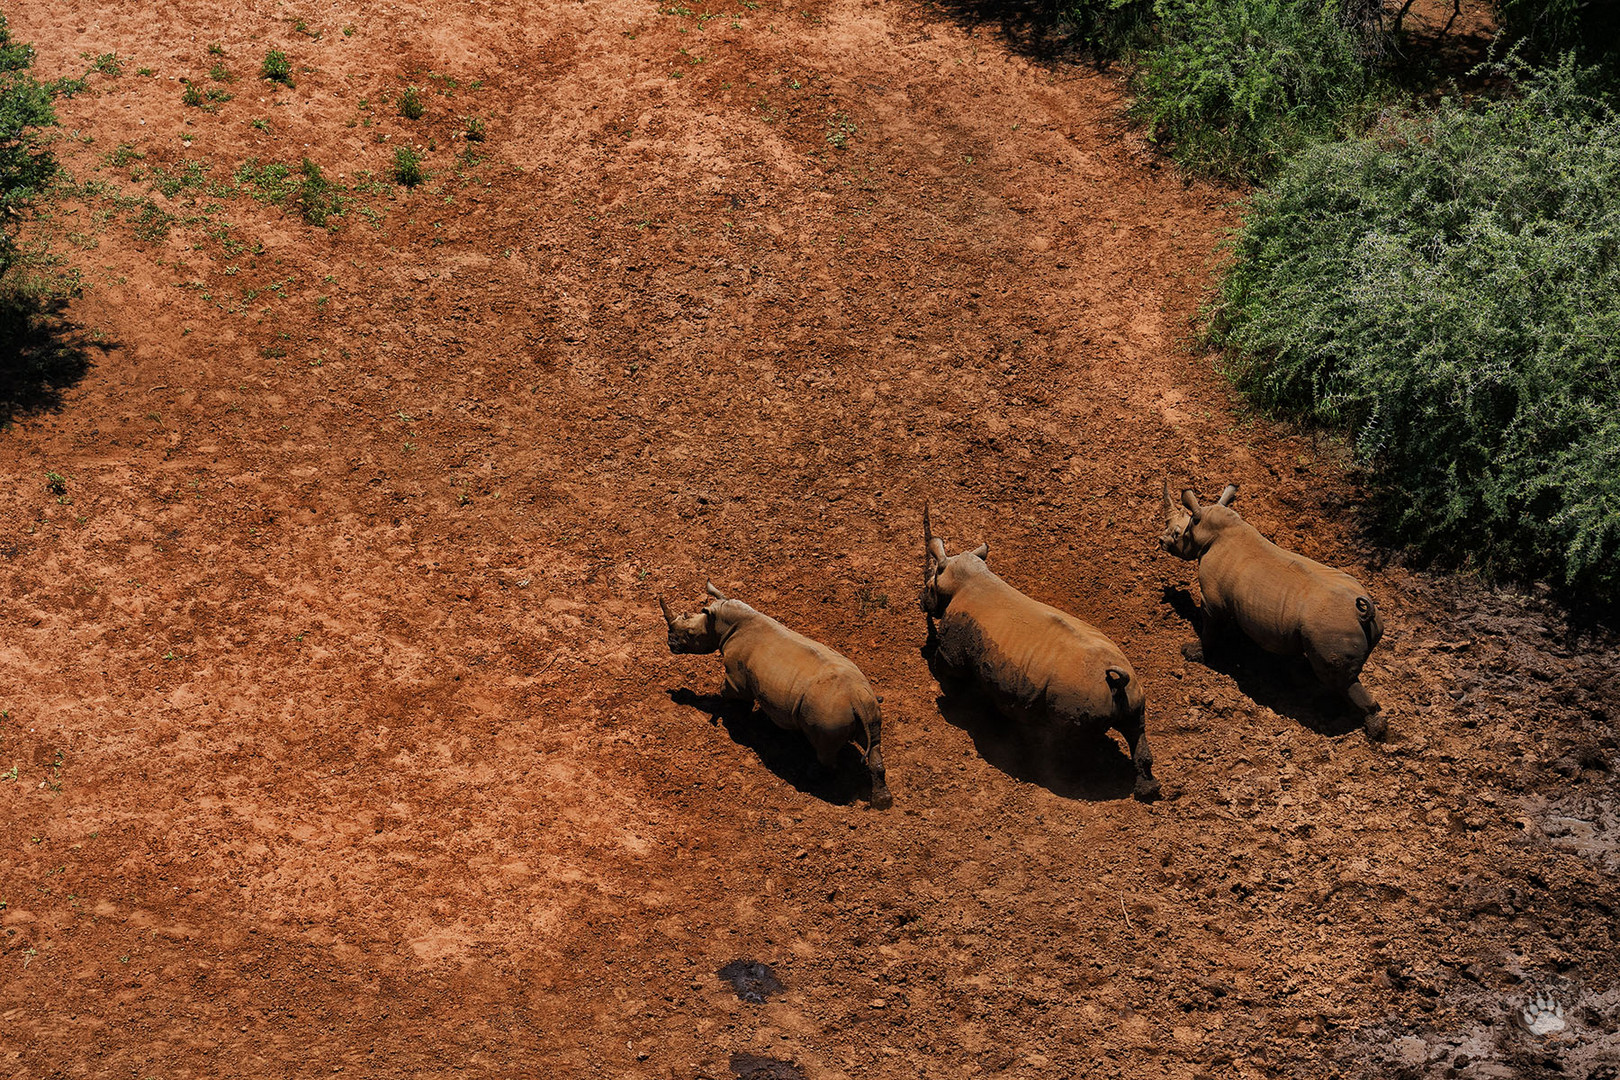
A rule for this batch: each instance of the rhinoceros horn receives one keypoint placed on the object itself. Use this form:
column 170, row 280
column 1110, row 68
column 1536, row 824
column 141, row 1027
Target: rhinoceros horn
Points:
column 668, row 618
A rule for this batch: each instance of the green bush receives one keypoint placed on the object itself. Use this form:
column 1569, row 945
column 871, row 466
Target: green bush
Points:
column 318, row 199
column 408, row 167
column 1233, row 87
column 276, row 68
column 27, row 165
column 1549, row 28
column 1449, row 291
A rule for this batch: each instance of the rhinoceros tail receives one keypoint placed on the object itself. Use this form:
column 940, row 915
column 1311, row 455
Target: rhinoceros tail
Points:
column 1117, row 679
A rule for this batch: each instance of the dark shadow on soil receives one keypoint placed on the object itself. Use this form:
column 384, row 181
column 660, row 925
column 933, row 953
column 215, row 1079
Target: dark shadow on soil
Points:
column 42, row 353
column 785, row 753
column 1072, row 763
column 1029, row 27
column 1283, row 684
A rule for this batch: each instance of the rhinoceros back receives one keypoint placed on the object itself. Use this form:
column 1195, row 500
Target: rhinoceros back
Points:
column 1038, row 663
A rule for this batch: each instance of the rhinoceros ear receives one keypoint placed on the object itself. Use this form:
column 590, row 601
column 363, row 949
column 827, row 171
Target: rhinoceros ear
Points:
column 933, row 549
column 1190, row 501
column 1227, row 495
column 982, row 551
column 708, row 587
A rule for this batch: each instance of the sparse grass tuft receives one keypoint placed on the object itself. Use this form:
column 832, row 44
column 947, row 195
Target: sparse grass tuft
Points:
column 410, row 104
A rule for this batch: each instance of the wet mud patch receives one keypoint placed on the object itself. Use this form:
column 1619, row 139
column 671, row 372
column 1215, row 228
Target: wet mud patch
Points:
column 1546, row 1030
column 755, row 1067
column 753, row 981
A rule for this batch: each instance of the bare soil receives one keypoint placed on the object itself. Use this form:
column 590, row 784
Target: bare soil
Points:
column 339, row 731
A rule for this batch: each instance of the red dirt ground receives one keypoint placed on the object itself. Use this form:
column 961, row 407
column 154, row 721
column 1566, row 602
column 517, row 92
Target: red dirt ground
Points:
column 342, row 730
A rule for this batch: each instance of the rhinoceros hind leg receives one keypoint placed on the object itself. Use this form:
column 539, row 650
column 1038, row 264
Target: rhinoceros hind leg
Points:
column 881, row 799
column 1377, row 725
column 1147, row 788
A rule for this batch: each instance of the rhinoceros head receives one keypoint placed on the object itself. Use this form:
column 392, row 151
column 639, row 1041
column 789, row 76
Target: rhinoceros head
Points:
column 944, row 574
column 694, row 633
column 1187, row 532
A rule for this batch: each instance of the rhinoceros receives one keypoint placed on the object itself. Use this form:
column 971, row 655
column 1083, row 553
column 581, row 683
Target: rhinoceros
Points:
column 1285, row 603
column 1043, row 668
column 800, row 684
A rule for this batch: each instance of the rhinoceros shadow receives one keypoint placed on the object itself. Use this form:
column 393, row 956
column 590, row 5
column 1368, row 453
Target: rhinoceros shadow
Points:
column 1283, row 684
column 1071, row 763
column 785, row 753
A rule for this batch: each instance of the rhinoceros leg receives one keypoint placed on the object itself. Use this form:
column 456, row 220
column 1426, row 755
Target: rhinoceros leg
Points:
column 1345, row 677
column 1135, row 732
column 1214, row 633
column 734, row 688
column 1377, row 726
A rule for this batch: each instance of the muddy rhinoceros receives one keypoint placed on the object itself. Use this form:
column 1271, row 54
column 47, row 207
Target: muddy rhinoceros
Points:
column 1285, row 603
column 800, row 684
column 1043, row 668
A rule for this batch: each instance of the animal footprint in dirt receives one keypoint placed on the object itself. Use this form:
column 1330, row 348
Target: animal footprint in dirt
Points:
column 1543, row 1015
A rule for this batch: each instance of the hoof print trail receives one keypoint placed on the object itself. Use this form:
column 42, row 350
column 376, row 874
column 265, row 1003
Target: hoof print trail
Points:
column 752, row 980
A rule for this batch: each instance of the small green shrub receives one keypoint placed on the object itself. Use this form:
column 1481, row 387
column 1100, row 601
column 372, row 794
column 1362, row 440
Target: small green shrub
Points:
column 408, row 167
column 27, row 165
column 474, row 129
column 410, row 104
column 1449, row 292
column 191, row 96
column 276, row 68
column 318, row 198
column 1232, row 87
